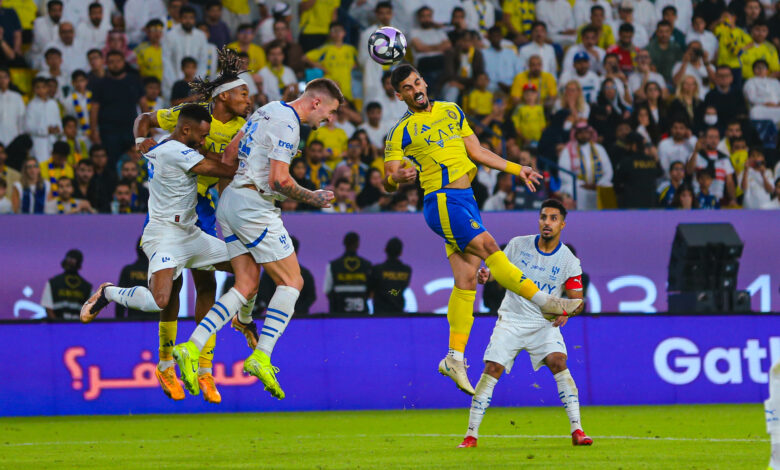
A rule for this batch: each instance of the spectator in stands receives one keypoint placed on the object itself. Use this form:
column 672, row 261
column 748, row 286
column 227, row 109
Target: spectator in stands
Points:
column 278, row 79
column 10, row 38
column 316, row 17
column 573, row 101
column 695, row 63
column 114, row 106
column 181, row 92
column 123, row 199
column 293, row 52
column 644, row 74
column 298, row 170
column 678, row 146
column 683, row 11
column 369, row 198
column 57, row 166
column 389, row 280
column 64, row 202
column 5, row 203
column 559, row 18
column 399, row 203
column 685, row 198
column 308, row 293
column 619, row 147
column 374, row 128
column 151, row 100
column 10, row 175
column 606, row 36
column 479, row 101
column 763, row 93
column 346, row 279
column 351, row 168
column 334, row 141
column 539, row 47
column 77, row 105
column 640, row 37
column 687, row 105
column 138, row 14
column 731, row 44
column 178, row 43
column 664, row 52
column 588, row 159
column 139, row 193
column 428, row 45
column 104, row 177
column 751, row 12
column 149, row 53
column 609, row 97
column 699, row 32
column 774, row 203
column 344, row 202
column 503, row 199
column 97, row 67
column 45, row 30
column 733, row 132
column 257, row 59
column 528, row 118
column 84, row 187
column 501, row 64
column 71, row 48
column 636, row 175
column 372, row 71
column 727, row 100
column 118, row 41
column 545, row 83
column 653, row 101
column 336, row 59
column 94, row 30
column 583, row 11
column 705, row 198
column 761, row 48
column 625, row 48
column 317, row 171
column 709, row 11
column 588, row 80
column 30, row 193
column 589, row 35
column 462, row 64
column 669, row 14
column 219, row 34
column 65, row 293
column 11, row 111
column 668, row 189
column 77, row 145
column 42, row 120
column 756, row 181
column 706, row 157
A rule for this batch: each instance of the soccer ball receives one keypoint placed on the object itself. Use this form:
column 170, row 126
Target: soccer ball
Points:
column 387, row 46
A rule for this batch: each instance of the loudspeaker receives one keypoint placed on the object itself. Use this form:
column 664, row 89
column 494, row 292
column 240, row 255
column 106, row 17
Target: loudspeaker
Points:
column 702, row 301
column 704, row 257
column 740, row 301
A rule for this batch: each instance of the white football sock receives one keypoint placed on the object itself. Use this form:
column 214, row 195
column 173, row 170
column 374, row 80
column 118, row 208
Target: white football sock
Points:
column 137, row 298
column 483, row 392
column 457, row 355
column 567, row 392
column 219, row 315
column 162, row 365
column 245, row 314
column 540, row 298
column 278, row 314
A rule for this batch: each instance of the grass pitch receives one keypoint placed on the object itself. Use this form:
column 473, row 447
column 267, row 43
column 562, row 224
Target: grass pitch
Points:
column 673, row 437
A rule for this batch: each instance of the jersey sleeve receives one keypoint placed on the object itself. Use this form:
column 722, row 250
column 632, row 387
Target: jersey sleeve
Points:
column 573, row 274
column 284, row 141
column 182, row 158
column 394, row 151
column 465, row 129
column 167, row 118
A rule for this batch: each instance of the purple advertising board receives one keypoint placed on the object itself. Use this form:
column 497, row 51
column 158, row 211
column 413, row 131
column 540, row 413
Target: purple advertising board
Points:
column 389, row 363
column 626, row 253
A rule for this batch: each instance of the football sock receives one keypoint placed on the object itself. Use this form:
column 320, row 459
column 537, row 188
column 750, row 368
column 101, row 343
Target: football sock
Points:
column 567, row 392
column 167, row 334
column 207, row 355
column 137, row 298
column 772, row 413
column 460, row 315
column 457, row 355
column 479, row 403
column 512, row 278
column 220, row 314
column 277, row 315
column 245, row 314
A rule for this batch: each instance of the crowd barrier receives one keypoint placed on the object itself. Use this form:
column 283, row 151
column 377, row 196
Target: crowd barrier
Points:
column 626, row 253
column 389, row 363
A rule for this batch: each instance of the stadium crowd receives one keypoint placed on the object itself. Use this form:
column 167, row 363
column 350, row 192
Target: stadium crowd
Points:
column 628, row 104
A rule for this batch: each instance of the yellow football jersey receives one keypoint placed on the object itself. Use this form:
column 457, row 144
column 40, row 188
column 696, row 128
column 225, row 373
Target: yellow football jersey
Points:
column 766, row 51
column 334, row 140
column 433, row 141
column 150, row 63
column 479, row 102
column 522, row 14
column 731, row 42
column 339, row 62
column 257, row 59
column 220, row 134
column 317, row 19
column 529, row 122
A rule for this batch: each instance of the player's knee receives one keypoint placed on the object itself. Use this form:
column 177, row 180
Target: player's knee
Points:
column 464, row 282
column 162, row 299
column 556, row 362
column 294, row 281
column 493, row 369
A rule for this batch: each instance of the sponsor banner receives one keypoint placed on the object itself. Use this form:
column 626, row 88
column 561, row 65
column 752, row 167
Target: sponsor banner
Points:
column 625, row 253
column 389, row 363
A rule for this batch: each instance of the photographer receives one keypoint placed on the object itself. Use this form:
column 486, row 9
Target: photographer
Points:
column 756, row 181
column 696, row 63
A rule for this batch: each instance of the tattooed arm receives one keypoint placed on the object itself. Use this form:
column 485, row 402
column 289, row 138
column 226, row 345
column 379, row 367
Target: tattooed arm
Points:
column 282, row 182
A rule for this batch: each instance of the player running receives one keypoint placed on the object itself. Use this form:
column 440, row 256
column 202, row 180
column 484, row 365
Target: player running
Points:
column 522, row 325
column 253, row 228
column 436, row 137
column 227, row 98
column 171, row 239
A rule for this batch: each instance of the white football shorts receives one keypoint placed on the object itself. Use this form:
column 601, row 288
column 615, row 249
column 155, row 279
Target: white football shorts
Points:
column 168, row 245
column 509, row 338
column 252, row 224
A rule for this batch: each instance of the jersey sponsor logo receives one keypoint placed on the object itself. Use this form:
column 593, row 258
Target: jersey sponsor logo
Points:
column 188, row 151
column 544, row 287
column 165, row 259
column 285, row 145
column 442, row 137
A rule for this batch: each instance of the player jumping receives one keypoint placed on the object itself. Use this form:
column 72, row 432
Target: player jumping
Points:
column 253, row 228
column 521, row 324
column 227, row 98
column 436, row 137
column 171, row 239
column 772, row 412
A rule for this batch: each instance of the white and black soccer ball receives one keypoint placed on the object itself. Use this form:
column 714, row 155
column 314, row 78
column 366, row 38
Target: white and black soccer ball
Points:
column 387, row 46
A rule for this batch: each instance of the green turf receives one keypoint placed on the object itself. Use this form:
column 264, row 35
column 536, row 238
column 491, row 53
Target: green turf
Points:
column 712, row 436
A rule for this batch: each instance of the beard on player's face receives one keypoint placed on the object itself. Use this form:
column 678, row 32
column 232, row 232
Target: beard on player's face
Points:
column 418, row 100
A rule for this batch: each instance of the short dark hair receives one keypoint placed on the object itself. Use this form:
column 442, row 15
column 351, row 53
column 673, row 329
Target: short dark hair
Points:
column 52, row 50
column 51, row 3
column 213, row 3
column 153, row 22
column 706, row 172
column 77, row 74
column 315, row 142
column 60, row 148
column 94, row 5
column 187, row 9
column 115, row 52
column 589, row 28
column 188, row 60
column 663, row 23
column 194, row 112
column 151, row 80
column 38, row 80
column 124, row 182
column 275, row 44
column 244, row 26
column 373, row 105
column 351, row 240
column 554, row 204
column 676, row 162
column 340, row 181
column 85, row 162
column 383, row 4
column 400, row 74
column 68, row 119
column 626, row 28
column 422, row 9
column 96, row 148
column 394, row 247
column 667, row 8
column 538, row 23
column 335, row 24
column 759, row 62
column 98, row 51
column 759, row 22
column 596, row 8
column 327, row 86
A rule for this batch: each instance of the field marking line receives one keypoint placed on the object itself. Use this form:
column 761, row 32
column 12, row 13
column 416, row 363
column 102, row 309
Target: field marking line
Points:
column 406, row 435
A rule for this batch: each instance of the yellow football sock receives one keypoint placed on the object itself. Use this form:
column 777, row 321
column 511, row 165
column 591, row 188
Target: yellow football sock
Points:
column 510, row 276
column 207, row 353
column 167, row 335
column 460, row 315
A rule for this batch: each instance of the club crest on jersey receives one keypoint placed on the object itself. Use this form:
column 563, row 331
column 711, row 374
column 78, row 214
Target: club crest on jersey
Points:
column 554, row 272
column 474, row 224
column 452, row 114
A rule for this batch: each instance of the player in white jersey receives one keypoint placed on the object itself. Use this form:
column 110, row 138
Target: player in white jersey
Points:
column 521, row 325
column 772, row 413
column 171, row 240
column 253, row 227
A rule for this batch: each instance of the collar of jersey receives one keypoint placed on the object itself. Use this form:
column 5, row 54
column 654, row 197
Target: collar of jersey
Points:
column 409, row 110
column 293, row 110
column 164, row 141
column 536, row 244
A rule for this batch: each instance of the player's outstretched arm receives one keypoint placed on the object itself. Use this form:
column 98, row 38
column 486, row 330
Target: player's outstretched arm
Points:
column 141, row 127
column 281, row 182
column 398, row 173
column 572, row 294
column 210, row 167
column 485, row 157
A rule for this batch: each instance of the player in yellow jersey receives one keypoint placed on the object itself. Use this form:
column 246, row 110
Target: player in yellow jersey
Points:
column 439, row 142
column 227, row 98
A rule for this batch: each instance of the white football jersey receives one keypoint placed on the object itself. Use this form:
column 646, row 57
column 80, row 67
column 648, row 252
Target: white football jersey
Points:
column 173, row 189
column 551, row 272
column 273, row 132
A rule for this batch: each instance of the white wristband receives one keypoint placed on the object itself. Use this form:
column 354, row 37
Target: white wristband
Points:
column 139, row 140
